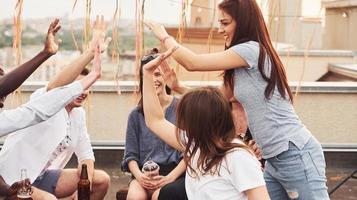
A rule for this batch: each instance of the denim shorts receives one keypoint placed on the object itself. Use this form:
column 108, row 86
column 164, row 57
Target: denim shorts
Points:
column 297, row 173
column 48, row 181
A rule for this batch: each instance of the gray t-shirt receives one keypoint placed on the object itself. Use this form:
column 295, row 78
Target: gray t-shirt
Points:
column 273, row 122
column 141, row 144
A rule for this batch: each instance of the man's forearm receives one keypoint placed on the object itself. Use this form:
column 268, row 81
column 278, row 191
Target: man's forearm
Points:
column 11, row 81
column 70, row 72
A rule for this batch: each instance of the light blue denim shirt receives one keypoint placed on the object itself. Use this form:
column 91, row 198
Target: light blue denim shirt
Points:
column 273, row 122
column 141, row 144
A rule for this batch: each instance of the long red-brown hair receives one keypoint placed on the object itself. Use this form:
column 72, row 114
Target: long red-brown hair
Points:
column 251, row 27
column 205, row 116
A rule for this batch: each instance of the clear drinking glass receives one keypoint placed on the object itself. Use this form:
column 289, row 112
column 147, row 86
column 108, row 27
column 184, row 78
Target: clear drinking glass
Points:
column 150, row 168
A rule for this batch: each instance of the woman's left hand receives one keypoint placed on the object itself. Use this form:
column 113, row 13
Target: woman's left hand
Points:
column 158, row 29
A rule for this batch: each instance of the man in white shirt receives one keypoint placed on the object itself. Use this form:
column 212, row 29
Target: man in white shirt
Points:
column 43, row 108
column 49, row 145
column 45, row 149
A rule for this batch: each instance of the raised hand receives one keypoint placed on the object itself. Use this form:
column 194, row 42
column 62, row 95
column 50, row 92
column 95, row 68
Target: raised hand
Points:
column 170, row 77
column 152, row 65
column 51, row 45
column 158, row 29
column 98, row 34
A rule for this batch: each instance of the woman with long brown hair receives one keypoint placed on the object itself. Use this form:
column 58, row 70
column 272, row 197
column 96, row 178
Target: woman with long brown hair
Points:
column 142, row 146
column 254, row 75
column 220, row 166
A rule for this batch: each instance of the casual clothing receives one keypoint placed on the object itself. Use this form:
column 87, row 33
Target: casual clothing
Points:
column 273, row 122
column 39, row 109
column 174, row 191
column 239, row 171
column 141, row 144
column 36, row 146
column 298, row 172
column 48, row 180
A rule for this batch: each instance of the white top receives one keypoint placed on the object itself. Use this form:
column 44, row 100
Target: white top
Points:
column 32, row 148
column 38, row 110
column 240, row 171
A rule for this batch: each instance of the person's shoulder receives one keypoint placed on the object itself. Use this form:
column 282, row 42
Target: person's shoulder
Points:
column 175, row 101
column 134, row 113
column 249, row 44
column 242, row 151
column 79, row 110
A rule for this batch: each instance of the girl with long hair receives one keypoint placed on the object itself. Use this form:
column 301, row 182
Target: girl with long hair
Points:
column 254, row 75
column 142, row 146
column 220, row 166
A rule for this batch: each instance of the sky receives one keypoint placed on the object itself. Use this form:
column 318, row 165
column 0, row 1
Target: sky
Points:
column 164, row 11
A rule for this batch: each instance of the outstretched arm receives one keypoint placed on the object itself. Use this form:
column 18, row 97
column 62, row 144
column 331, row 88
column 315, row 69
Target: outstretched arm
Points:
column 45, row 106
column 197, row 62
column 11, row 81
column 70, row 72
column 154, row 115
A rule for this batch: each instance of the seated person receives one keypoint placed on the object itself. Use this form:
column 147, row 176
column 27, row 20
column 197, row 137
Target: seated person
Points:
column 141, row 145
column 37, row 111
column 50, row 103
column 219, row 165
column 55, row 141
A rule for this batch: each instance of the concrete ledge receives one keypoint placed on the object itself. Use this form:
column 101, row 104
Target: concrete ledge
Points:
column 131, row 86
column 318, row 53
column 120, row 145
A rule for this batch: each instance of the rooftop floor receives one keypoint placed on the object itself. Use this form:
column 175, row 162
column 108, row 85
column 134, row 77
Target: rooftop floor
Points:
column 339, row 166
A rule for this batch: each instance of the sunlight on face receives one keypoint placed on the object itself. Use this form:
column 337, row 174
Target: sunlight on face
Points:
column 227, row 27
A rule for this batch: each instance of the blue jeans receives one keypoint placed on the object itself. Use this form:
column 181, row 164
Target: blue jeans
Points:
column 297, row 174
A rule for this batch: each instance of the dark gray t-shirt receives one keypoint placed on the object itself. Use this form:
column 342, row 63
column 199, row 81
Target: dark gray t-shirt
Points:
column 273, row 122
column 141, row 144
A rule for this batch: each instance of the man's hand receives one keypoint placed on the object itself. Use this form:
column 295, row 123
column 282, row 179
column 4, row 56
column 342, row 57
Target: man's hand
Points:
column 11, row 192
column 99, row 30
column 51, row 45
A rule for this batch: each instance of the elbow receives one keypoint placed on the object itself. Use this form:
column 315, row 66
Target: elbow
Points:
column 149, row 123
column 191, row 64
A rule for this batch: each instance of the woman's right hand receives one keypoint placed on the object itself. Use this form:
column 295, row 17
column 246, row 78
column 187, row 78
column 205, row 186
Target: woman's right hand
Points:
column 145, row 182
